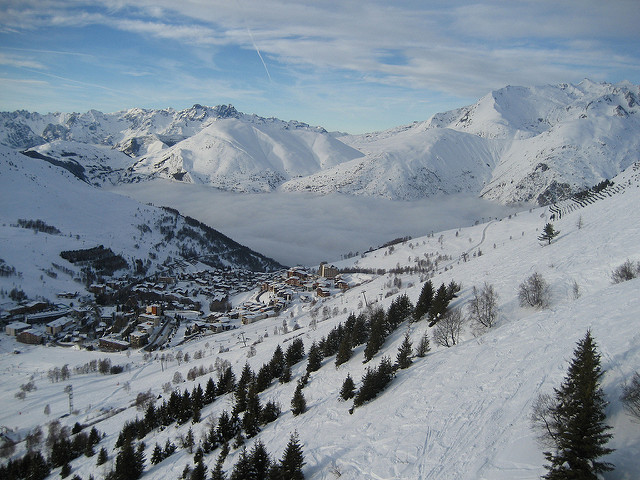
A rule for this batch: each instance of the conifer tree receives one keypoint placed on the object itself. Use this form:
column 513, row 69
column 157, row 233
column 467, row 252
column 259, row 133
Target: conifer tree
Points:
column 314, row 361
column 423, row 346
column 438, row 305
column 285, row 376
column 298, row 402
column 277, row 362
column 210, row 391
column 348, row 388
column 156, row 456
column 548, row 233
column 292, row 459
column 260, row 461
column 65, row 471
column 218, row 472
column 580, row 433
column 424, row 301
column 242, row 468
column 251, row 419
column 377, row 334
column 102, row 456
column 344, row 351
column 199, row 471
column 403, row 359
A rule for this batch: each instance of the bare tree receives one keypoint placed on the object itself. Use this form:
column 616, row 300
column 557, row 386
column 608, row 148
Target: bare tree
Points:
column 447, row 331
column 534, row 292
column 483, row 307
column 627, row 271
column 543, row 420
column 631, row 396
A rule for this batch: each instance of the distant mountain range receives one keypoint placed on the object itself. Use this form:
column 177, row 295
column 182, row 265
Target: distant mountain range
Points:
column 516, row 144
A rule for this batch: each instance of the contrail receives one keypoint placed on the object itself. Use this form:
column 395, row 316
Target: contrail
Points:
column 258, row 52
column 246, row 24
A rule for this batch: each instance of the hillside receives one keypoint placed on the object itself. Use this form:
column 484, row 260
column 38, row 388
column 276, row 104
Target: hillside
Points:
column 76, row 216
column 459, row 412
column 515, row 144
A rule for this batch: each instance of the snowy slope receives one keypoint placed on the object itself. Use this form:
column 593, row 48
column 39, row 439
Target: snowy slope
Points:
column 537, row 143
column 33, row 189
column 254, row 156
column 460, row 412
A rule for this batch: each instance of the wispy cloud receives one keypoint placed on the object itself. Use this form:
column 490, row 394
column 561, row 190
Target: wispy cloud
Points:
column 459, row 49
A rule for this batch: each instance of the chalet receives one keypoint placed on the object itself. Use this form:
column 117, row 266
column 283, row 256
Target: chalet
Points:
column 31, row 337
column 56, row 326
column 14, row 328
column 322, row 292
column 342, row 285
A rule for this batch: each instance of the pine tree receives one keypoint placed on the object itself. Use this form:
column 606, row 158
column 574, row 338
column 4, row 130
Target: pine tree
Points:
column 548, row 233
column 210, row 391
column 403, row 359
column 344, row 351
column 424, row 301
column 292, row 459
column 242, row 468
column 260, row 461
column 314, row 361
column 277, row 362
column 218, row 472
column 423, row 346
column 199, row 471
column 102, row 456
column 298, row 402
column 156, row 456
column 348, row 388
column 65, row 471
column 438, row 305
column 377, row 335
column 581, row 434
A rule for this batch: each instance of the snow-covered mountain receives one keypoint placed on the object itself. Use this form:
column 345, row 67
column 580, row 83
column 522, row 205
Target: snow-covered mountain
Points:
column 516, row 144
column 76, row 216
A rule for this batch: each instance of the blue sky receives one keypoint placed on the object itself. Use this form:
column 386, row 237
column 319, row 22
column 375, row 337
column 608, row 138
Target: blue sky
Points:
column 347, row 65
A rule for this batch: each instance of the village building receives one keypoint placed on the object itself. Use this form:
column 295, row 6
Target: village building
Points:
column 16, row 327
column 327, row 271
column 138, row 339
column 31, row 307
column 112, row 344
column 154, row 309
column 56, row 326
column 31, row 337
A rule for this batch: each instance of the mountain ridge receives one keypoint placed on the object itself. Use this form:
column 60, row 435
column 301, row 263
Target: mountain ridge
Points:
column 515, row 144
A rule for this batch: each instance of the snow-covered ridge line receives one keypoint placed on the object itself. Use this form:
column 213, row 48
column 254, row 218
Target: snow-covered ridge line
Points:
column 515, row 144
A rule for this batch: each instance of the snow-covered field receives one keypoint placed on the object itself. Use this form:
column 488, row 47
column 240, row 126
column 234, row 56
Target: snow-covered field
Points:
column 459, row 413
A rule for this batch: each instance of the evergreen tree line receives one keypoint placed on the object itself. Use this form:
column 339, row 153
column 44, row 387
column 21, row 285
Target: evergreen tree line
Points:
column 246, row 418
column 63, row 449
column 255, row 464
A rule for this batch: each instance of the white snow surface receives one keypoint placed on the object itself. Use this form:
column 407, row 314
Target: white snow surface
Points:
column 459, row 413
